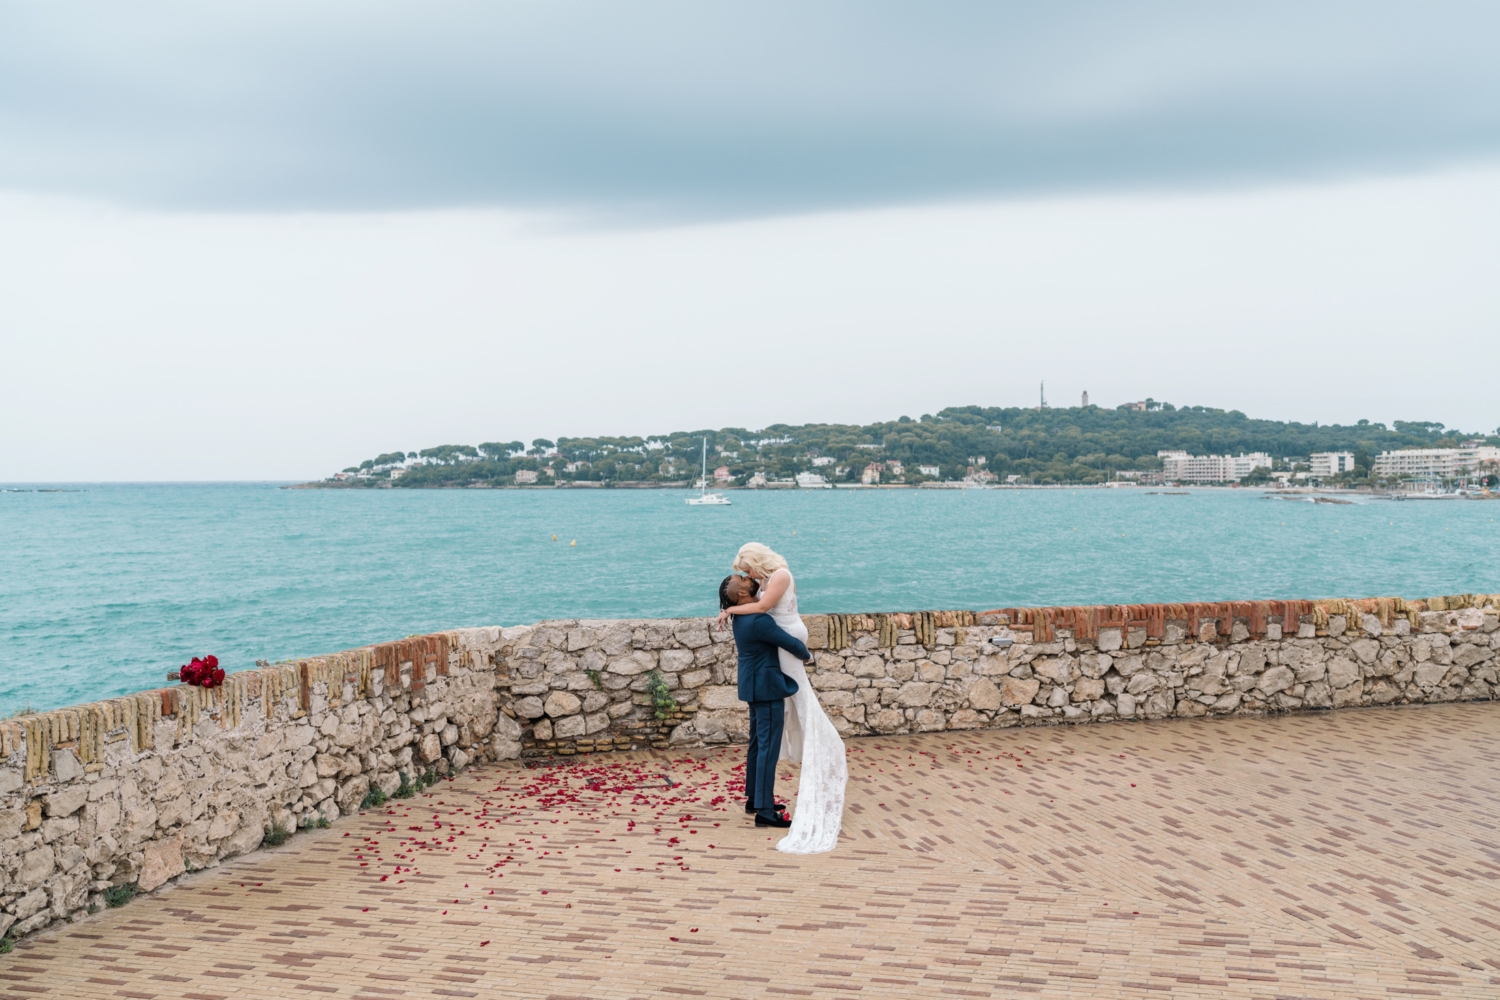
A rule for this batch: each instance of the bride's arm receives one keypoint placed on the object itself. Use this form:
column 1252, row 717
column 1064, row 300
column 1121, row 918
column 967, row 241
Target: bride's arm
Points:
column 772, row 592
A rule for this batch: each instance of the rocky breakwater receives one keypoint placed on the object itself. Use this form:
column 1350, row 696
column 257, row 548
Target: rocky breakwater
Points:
column 580, row 686
column 135, row 791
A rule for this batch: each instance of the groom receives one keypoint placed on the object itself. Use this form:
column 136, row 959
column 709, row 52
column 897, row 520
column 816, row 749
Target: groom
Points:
column 765, row 687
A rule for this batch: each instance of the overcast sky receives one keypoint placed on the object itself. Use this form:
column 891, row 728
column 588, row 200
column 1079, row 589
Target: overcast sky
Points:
column 269, row 242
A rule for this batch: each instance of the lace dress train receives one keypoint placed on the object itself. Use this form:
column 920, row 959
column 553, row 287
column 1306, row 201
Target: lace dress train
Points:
column 810, row 739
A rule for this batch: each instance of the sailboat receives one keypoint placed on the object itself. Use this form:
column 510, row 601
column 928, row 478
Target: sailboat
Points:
column 705, row 498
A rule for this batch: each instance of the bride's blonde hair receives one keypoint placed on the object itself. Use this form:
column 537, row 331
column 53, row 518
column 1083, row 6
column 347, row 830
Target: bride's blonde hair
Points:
column 758, row 557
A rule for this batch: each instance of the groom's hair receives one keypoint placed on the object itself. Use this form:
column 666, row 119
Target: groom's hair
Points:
column 724, row 601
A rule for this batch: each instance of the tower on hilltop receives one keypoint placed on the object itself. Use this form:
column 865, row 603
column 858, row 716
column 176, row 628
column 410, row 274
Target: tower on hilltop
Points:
column 1085, row 397
column 1041, row 403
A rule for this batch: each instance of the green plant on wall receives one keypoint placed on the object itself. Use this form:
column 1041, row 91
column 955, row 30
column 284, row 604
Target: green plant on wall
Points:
column 595, row 677
column 661, row 695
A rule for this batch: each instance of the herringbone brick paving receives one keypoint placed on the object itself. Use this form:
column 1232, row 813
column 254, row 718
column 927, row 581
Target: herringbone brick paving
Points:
column 1354, row 854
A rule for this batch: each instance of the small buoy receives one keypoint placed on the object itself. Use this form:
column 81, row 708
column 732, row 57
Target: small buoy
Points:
column 573, row 542
column 554, row 538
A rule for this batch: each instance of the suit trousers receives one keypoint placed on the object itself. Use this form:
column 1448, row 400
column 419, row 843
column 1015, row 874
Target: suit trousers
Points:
column 766, row 721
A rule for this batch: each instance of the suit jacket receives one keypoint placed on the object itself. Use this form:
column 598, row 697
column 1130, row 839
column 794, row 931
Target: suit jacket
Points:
column 757, row 637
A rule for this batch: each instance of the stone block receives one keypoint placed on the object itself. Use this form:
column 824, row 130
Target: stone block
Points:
column 930, row 720
column 984, row 695
column 561, row 703
column 887, row 720
column 1342, row 672
column 351, row 794
column 695, row 637
column 830, row 681
column 1469, row 654
column 596, row 723
column 1430, row 673
column 836, row 699
column 36, row 865
column 638, row 662
column 529, row 708
column 65, row 766
column 726, row 696
column 580, row 638
column 594, row 701
column 570, row 727
column 1088, row 689
column 1274, row 680
column 817, row 631
column 163, row 861
column 1159, row 705
column 1110, row 639
column 1226, row 703
column 430, row 749
column 542, row 731
column 67, row 802
column 914, row 694
column 1016, row 691
column 676, row 660
column 1055, row 669
column 695, row 678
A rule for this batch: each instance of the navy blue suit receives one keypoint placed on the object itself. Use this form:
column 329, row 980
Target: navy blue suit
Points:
column 761, row 683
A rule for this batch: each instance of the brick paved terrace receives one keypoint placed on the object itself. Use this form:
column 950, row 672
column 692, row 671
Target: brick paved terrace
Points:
column 1354, row 854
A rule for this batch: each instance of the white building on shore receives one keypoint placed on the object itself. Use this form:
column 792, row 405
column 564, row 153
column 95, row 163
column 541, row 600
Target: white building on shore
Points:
column 1433, row 463
column 1327, row 464
column 1180, row 467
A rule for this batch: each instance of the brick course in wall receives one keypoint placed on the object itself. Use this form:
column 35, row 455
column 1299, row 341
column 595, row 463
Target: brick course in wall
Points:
column 137, row 790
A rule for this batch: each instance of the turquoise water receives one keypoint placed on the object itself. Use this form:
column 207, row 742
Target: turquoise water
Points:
column 103, row 591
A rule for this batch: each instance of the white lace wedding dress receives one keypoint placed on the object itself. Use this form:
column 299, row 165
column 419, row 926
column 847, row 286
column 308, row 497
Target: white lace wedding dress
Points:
column 810, row 739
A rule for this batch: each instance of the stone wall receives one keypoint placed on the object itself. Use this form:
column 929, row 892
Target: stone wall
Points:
column 138, row 790
column 582, row 686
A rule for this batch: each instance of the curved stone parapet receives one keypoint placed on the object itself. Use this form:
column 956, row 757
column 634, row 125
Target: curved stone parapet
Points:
column 141, row 789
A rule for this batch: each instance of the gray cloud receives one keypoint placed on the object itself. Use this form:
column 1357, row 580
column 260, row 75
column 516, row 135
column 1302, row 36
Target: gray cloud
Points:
column 700, row 109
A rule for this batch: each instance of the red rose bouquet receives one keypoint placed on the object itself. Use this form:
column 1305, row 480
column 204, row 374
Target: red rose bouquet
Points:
column 202, row 672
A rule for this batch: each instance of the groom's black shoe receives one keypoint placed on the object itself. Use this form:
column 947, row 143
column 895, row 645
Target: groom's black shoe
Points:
column 780, row 807
column 761, row 819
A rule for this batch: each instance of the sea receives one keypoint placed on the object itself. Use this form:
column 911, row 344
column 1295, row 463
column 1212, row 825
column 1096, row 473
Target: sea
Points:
column 106, row 588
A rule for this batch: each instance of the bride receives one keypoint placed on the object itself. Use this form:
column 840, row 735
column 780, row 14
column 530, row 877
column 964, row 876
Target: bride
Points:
column 809, row 736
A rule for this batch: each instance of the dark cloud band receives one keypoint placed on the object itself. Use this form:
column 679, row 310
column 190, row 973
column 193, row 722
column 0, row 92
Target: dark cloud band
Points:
column 693, row 109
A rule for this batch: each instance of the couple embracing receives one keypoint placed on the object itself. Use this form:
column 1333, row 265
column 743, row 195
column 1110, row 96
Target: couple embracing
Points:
column 786, row 720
